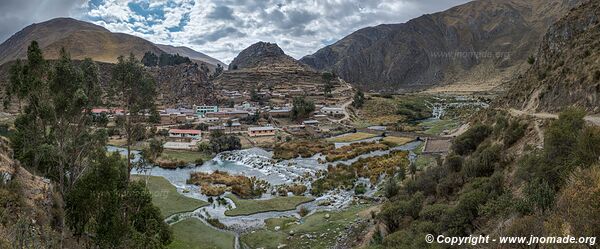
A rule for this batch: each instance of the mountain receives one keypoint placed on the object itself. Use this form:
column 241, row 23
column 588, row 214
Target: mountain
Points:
column 192, row 54
column 479, row 41
column 83, row 39
column 566, row 71
column 265, row 65
column 263, row 55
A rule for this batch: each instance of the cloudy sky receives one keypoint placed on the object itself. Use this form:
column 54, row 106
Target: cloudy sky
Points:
column 222, row 28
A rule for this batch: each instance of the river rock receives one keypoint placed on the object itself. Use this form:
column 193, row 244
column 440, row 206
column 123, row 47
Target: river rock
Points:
column 327, row 216
column 277, row 228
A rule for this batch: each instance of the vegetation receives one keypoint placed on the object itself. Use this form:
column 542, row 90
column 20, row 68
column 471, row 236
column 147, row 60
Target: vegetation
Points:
column 54, row 135
column 315, row 230
column 358, row 100
column 300, row 148
column 302, row 108
column 166, row 197
column 151, row 60
column 135, row 90
column 351, row 137
column 192, row 233
column 242, row 186
column 247, row 207
column 468, row 193
column 372, row 168
column 353, row 150
column 220, row 142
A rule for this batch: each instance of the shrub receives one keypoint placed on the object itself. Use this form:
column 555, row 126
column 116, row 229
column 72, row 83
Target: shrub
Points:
column 484, row 161
column 360, row 189
column 454, row 163
column 540, row 194
column 515, row 131
column 468, row 142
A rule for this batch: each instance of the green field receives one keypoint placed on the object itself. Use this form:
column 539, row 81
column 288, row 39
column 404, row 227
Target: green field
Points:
column 246, row 207
column 436, row 127
column 192, row 233
column 324, row 231
column 166, row 197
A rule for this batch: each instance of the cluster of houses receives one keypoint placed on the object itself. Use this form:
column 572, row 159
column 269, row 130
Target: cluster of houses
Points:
column 223, row 119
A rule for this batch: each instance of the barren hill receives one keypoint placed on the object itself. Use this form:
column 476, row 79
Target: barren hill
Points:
column 479, row 41
column 566, row 71
column 83, row 39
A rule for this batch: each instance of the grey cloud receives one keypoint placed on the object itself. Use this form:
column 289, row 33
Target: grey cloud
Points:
column 222, row 13
column 229, row 32
column 17, row 14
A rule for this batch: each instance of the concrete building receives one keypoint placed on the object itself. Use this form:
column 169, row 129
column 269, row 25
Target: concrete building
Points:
column 261, row 131
column 190, row 134
column 202, row 110
column 332, row 110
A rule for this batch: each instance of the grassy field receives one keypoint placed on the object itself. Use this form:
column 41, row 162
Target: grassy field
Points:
column 166, row 197
column 324, row 232
column 397, row 140
column 246, row 207
column 436, row 127
column 192, row 233
column 185, row 155
column 351, row 137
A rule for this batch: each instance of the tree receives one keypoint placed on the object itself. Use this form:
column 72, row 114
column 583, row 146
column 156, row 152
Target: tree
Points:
column 150, row 59
column 302, row 108
column 135, row 90
column 327, row 77
column 119, row 214
column 359, row 99
column 220, row 142
column 391, row 187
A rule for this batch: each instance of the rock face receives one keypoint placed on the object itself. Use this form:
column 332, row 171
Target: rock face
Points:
column 183, row 85
column 83, row 39
column 478, row 41
column 567, row 67
column 262, row 55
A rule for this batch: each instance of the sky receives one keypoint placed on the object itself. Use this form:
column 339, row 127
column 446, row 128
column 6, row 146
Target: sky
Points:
column 222, row 28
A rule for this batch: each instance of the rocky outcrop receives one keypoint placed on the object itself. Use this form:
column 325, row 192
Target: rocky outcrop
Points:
column 566, row 71
column 263, row 55
column 183, row 85
column 478, row 41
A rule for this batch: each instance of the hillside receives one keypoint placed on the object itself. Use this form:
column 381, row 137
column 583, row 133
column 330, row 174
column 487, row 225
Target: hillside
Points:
column 82, row 40
column 481, row 41
column 264, row 65
column 192, row 54
column 264, row 55
column 180, row 85
column 566, row 71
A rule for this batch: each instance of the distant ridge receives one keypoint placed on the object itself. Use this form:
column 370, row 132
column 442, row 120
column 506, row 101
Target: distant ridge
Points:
column 83, row 39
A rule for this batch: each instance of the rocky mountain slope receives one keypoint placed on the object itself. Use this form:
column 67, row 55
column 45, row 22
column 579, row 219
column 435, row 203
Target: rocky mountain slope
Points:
column 192, row 54
column 263, row 55
column 566, row 71
column 264, row 65
column 83, row 39
column 180, row 85
column 478, row 41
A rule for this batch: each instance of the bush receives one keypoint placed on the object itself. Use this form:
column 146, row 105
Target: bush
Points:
column 484, row 161
column 515, row 131
column 540, row 194
column 454, row 163
column 468, row 142
column 360, row 189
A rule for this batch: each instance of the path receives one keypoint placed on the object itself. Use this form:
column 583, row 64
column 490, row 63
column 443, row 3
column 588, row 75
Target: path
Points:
column 591, row 119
